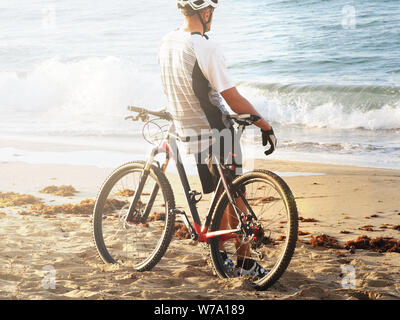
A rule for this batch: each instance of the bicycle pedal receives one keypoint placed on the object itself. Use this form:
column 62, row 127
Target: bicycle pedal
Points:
column 195, row 196
column 177, row 211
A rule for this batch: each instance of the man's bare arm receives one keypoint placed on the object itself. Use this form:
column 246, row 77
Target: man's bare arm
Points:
column 240, row 105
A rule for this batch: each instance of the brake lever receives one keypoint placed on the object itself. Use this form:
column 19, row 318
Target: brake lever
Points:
column 254, row 118
column 141, row 116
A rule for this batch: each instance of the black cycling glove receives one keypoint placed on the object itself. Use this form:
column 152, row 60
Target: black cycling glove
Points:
column 268, row 137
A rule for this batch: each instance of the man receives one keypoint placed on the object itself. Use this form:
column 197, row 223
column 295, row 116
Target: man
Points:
column 194, row 77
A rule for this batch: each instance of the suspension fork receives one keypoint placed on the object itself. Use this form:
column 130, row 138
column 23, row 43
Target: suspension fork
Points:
column 154, row 193
column 132, row 216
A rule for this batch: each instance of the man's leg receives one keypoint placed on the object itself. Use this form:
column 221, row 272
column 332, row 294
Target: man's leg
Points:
column 229, row 220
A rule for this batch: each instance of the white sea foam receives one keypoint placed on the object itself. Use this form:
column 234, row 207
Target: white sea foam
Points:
column 303, row 111
column 88, row 95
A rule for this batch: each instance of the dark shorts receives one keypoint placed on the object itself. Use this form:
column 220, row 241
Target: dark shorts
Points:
column 228, row 152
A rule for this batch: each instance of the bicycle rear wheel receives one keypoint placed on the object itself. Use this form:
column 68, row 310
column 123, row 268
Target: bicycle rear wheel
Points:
column 268, row 211
column 140, row 245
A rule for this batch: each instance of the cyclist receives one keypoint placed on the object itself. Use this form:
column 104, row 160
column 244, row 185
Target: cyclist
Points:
column 194, row 77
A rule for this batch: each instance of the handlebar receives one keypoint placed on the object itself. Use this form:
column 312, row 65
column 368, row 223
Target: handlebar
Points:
column 244, row 119
column 241, row 119
column 144, row 113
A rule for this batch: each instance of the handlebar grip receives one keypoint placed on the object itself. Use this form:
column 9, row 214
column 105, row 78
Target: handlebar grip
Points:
column 255, row 118
column 135, row 109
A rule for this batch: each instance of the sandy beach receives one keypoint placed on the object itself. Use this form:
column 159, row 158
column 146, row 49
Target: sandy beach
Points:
column 343, row 203
column 324, row 74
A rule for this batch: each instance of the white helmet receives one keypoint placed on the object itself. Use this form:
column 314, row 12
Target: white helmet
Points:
column 198, row 4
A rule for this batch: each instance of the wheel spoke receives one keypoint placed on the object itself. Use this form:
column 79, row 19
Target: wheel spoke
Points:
column 137, row 244
column 270, row 237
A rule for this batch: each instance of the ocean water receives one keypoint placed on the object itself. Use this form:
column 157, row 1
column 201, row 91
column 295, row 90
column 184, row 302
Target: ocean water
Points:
column 326, row 74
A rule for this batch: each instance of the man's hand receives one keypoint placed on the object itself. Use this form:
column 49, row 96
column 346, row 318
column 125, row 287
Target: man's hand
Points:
column 268, row 137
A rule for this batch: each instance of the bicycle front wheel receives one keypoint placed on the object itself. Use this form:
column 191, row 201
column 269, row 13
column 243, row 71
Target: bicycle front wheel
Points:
column 141, row 245
column 263, row 249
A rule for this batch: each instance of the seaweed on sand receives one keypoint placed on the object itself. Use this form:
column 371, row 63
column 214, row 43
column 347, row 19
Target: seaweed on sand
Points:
column 157, row 216
column 129, row 193
column 12, row 199
column 380, row 244
column 125, row 193
column 84, row 208
column 366, row 228
column 307, row 219
column 62, row 191
column 325, row 241
column 181, row 232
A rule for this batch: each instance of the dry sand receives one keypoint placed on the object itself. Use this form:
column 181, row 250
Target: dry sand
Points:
column 344, row 199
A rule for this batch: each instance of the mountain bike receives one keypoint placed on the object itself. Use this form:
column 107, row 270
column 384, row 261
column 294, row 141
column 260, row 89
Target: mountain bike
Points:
column 135, row 211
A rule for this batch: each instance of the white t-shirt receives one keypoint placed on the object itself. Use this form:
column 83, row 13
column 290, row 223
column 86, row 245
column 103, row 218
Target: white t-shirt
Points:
column 193, row 73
